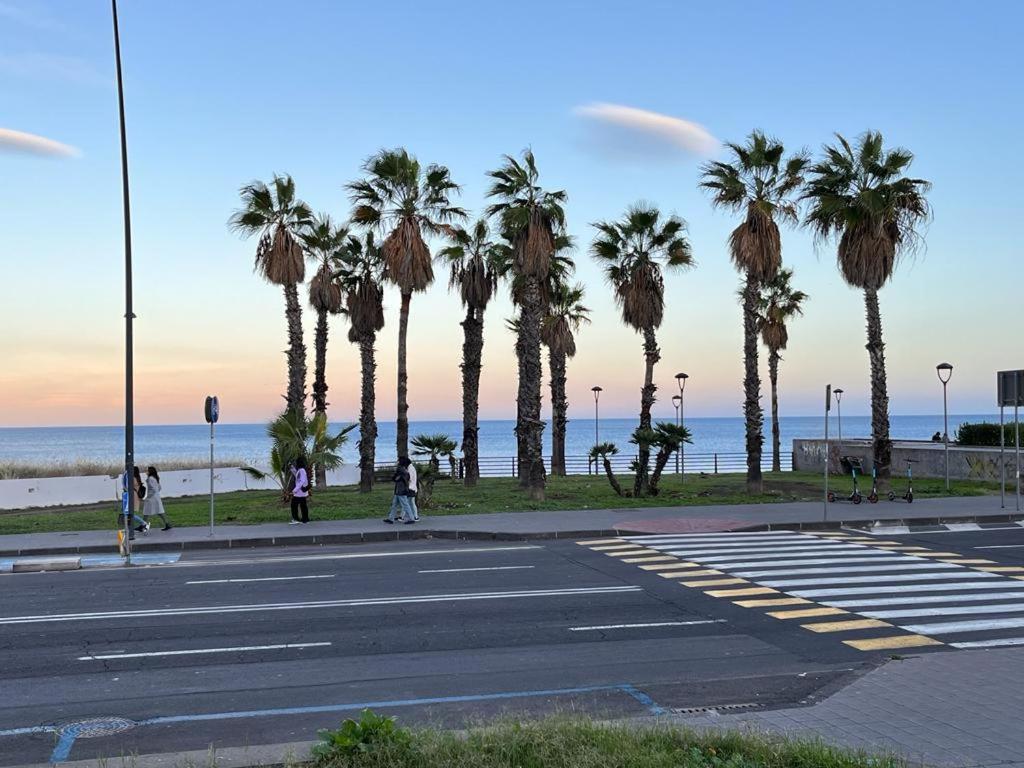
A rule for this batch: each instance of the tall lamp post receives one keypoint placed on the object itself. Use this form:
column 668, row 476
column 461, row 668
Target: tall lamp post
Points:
column 129, row 414
column 681, row 381
column 945, row 373
column 839, row 414
column 676, row 400
column 597, row 432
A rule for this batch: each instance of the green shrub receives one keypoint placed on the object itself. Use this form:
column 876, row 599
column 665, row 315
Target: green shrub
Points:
column 370, row 733
column 985, row 434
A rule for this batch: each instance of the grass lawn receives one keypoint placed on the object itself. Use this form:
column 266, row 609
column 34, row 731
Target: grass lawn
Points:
column 583, row 744
column 491, row 495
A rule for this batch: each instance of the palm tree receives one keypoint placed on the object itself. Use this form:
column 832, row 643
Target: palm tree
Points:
column 564, row 315
column 278, row 218
column 777, row 305
column 633, row 251
column 601, row 452
column 474, row 260
column 667, row 438
column 407, row 200
column 322, row 240
column 360, row 270
column 530, row 217
column 859, row 194
column 432, row 447
column 760, row 183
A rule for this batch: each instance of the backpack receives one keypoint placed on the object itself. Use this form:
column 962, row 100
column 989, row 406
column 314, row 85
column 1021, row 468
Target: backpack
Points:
column 142, row 490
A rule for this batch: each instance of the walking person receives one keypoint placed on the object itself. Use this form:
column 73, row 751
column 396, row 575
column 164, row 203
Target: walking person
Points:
column 154, row 504
column 400, row 502
column 412, row 492
column 138, row 494
column 300, row 492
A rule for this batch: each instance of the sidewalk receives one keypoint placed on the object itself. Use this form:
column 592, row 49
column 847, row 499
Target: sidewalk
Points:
column 523, row 525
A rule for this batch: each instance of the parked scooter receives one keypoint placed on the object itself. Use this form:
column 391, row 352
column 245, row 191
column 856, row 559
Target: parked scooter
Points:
column 907, row 496
column 853, row 465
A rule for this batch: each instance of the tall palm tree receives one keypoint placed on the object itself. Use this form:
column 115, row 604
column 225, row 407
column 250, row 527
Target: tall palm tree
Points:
column 406, row 200
column 760, row 183
column 360, row 270
column 530, row 217
column 278, row 217
column 564, row 315
column 633, row 252
column 474, row 260
column 778, row 304
column 859, row 194
column 322, row 240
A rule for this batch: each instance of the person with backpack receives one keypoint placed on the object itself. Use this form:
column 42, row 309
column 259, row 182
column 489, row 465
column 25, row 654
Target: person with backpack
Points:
column 138, row 494
column 401, row 502
column 300, row 492
column 153, row 504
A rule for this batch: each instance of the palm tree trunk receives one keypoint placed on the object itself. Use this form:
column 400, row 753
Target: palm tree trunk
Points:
column 773, row 374
column 559, row 406
column 664, row 454
column 879, row 391
column 529, row 388
column 296, row 354
column 472, row 353
column 367, row 418
column 651, row 356
column 402, row 427
column 521, row 409
column 611, row 477
column 752, row 387
column 320, row 383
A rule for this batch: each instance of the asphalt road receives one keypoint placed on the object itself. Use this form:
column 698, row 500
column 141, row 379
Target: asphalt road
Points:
column 237, row 648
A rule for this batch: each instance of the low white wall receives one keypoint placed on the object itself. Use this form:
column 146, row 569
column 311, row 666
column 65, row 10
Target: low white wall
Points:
column 67, row 491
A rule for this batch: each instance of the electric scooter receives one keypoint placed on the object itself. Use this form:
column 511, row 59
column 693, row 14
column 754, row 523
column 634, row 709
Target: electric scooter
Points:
column 873, row 495
column 853, row 465
column 909, row 495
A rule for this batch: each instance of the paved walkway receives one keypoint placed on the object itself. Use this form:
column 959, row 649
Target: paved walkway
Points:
column 518, row 525
column 956, row 710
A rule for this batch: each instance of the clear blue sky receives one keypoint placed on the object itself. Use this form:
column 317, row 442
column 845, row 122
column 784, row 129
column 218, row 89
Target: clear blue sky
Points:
column 219, row 93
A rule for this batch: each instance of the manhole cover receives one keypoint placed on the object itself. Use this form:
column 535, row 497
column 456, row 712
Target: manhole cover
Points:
column 96, row 727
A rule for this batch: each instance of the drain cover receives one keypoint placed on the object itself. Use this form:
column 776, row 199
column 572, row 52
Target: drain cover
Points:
column 713, row 709
column 96, row 727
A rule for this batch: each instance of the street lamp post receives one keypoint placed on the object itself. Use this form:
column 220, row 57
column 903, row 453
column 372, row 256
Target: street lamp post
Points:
column 681, row 381
column 676, row 400
column 839, row 415
column 597, row 432
column 945, row 372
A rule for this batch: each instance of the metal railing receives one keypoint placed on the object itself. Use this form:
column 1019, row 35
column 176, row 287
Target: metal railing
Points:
column 708, row 463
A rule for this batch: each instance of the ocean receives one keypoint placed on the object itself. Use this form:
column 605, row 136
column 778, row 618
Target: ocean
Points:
column 249, row 443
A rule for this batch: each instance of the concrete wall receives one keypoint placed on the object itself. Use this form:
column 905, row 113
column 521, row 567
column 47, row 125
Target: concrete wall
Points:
column 67, row 491
column 965, row 462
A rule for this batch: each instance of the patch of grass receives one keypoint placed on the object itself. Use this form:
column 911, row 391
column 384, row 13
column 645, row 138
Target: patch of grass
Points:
column 19, row 470
column 564, row 743
column 491, row 495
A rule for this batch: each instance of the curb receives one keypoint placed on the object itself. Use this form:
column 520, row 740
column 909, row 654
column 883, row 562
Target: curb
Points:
column 427, row 533
column 263, row 756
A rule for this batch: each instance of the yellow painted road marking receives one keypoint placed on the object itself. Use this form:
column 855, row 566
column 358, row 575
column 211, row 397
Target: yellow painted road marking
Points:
column 968, row 562
column 741, row 592
column 713, row 582
column 592, row 542
column 806, row 613
column 896, row 641
column 1003, row 569
column 843, row 626
column 771, row 601
column 668, row 566
column 655, row 559
column 687, row 574
column 633, row 552
column 614, row 547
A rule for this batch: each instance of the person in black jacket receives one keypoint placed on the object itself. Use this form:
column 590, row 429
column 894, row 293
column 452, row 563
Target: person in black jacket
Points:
column 400, row 502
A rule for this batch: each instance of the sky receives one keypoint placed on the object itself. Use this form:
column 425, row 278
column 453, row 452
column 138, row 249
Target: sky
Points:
column 619, row 101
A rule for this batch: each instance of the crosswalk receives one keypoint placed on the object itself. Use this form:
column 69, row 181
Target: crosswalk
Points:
column 872, row 594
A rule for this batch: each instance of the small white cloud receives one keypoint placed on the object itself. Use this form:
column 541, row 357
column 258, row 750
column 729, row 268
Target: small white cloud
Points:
column 28, row 143
column 651, row 132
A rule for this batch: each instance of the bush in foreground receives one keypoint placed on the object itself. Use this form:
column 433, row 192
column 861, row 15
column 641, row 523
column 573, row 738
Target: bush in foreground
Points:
column 375, row 742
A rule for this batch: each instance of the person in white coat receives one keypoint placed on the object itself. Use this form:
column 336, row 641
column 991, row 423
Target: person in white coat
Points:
column 153, row 504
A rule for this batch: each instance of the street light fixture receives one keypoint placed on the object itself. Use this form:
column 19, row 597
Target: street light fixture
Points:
column 945, row 372
column 839, row 414
column 597, row 434
column 681, row 457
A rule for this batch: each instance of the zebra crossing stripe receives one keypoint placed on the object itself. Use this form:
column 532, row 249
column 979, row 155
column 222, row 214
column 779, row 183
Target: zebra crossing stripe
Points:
column 925, row 599
column 741, row 592
column 940, row 610
column 969, row 562
column 771, row 602
column 807, row 561
column 1003, row 569
column 879, row 579
column 892, row 643
column 713, row 582
column 598, row 542
column 953, row 627
column 845, row 626
column 836, row 591
column 633, row 552
column 858, row 569
column 667, row 566
column 687, row 574
column 936, row 554
column 806, row 613
column 998, row 643
column 648, row 559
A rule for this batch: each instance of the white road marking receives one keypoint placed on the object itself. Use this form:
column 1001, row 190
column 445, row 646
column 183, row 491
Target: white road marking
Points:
column 893, row 579
column 811, row 561
column 948, row 628
column 495, row 568
column 997, row 643
column 834, row 591
column 237, row 649
column 814, row 548
column 856, row 569
column 738, row 535
column 1000, row 546
column 653, row 624
column 796, row 557
column 923, row 599
column 940, row 610
column 266, row 578
column 350, row 556
column 259, row 607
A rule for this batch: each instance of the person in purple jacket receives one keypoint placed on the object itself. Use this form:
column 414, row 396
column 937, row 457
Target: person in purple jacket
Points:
column 300, row 491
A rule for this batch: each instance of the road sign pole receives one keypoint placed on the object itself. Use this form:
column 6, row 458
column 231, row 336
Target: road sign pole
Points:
column 1016, row 445
column 211, row 478
column 1002, row 458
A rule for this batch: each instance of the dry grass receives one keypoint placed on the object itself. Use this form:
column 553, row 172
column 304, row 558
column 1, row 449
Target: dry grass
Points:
column 17, row 470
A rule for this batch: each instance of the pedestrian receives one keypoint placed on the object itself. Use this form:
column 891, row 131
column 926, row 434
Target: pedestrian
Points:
column 400, row 501
column 300, row 492
column 413, row 490
column 138, row 494
column 154, row 505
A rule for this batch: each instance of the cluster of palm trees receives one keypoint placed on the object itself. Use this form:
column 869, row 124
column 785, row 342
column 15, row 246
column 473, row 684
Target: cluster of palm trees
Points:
column 856, row 193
